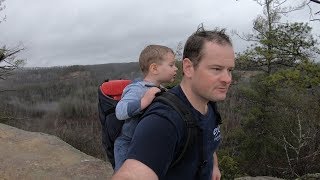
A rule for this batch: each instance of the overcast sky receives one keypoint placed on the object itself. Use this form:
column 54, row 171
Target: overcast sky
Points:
column 79, row 32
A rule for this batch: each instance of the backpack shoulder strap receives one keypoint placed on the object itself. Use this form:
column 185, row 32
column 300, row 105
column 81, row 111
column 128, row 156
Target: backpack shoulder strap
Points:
column 215, row 110
column 191, row 125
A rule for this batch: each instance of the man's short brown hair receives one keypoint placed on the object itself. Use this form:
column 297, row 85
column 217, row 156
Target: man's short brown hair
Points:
column 195, row 43
column 152, row 54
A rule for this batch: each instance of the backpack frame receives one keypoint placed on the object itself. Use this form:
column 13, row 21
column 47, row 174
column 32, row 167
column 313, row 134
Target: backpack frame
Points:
column 111, row 126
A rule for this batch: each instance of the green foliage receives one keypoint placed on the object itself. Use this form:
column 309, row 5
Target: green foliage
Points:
column 228, row 153
column 280, row 113
column 305, row 75
column 229, row 167
column 280, row 106
column 284, row 46
column 4, row 118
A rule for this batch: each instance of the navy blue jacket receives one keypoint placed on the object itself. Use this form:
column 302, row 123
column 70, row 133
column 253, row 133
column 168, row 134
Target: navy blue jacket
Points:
column 160, row 137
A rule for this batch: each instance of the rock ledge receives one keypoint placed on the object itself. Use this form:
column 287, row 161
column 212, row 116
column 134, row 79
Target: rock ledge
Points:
column 33, row 155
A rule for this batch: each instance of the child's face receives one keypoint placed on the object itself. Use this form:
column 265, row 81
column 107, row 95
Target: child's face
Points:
column 167, row 69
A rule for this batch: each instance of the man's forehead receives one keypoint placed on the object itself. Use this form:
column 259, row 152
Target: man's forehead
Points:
column 218, row 55
column 215, row 49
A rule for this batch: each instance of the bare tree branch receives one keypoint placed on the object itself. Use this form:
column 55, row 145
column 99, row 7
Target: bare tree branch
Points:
column 315, row 1
column 8, row 61
column 6, row 90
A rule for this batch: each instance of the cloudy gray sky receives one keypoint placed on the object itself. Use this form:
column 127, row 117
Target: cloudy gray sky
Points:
column 70, row 32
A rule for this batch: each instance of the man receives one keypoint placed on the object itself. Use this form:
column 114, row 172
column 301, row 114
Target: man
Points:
column 208, row 60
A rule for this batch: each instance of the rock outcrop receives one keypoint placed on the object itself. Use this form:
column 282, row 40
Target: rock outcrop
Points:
column 33, row 155
column 315, row 176
column 258, row 178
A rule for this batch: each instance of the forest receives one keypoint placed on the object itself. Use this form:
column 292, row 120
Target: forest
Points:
column 271, row 117
column 275, row 134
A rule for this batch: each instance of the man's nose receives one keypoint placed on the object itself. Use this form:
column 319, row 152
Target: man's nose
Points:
column 226, row 76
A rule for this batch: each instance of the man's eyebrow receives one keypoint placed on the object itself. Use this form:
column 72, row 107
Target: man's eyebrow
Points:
column 220, row 66
column 215, row 65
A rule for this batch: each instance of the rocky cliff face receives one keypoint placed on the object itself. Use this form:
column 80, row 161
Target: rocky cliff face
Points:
column 32, row 155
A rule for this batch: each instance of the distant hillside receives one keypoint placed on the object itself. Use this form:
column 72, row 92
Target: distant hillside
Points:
column 96, row 73
column 61, row 101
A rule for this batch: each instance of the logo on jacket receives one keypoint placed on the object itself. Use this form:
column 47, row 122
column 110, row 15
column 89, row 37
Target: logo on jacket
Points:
column 216, row 133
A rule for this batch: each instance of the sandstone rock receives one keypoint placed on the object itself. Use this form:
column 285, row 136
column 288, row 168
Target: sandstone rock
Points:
column 258, row 178
column 33, row 155
column 315, row 176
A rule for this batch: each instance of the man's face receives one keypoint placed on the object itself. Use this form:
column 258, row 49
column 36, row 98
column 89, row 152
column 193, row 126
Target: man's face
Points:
column 212, row 77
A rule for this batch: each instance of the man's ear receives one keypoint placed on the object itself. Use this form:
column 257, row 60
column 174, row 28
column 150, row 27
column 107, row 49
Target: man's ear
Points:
column 187, row 67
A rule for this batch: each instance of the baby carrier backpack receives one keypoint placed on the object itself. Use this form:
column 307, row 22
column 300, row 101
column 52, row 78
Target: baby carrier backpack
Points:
column 109, row 94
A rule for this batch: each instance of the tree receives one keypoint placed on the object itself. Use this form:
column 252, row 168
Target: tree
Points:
column 311, row 11
column 295, row 116
column 8, row 61
column 272, row 112
column 303, row 4
column 2, row 7
column 278, row 46
column 315, row 1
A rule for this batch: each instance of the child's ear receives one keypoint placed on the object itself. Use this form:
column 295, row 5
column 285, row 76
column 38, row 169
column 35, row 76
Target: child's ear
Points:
column 187, row 67
column 153, row 68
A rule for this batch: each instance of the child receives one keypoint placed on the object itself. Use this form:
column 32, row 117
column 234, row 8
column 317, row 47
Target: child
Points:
column 157, row 64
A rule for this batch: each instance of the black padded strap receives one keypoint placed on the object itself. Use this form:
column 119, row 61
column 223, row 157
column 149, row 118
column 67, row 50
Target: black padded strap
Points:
column 202, row 159
column 191, row 125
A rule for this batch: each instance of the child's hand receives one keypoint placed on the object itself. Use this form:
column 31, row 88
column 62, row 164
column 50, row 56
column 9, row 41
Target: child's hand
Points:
column 149, row 96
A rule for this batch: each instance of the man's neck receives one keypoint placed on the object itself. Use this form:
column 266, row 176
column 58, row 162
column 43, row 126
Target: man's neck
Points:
column 196, row 101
